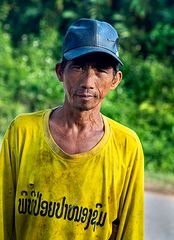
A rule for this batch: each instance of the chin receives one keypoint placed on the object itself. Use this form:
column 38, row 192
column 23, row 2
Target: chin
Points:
column 86, row 107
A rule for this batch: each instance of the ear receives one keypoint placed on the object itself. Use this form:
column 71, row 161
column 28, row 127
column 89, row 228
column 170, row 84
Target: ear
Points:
column 59, row 72
column 116, row 80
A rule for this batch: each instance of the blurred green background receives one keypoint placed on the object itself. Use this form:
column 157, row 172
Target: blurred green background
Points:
column 31, row 35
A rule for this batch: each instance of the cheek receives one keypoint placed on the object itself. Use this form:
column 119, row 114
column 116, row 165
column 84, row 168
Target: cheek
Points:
column 67, row 91
column 103, row 89
column 68, row 87
column 70, row 83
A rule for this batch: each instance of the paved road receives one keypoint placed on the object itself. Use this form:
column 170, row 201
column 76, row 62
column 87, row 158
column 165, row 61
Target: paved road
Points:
column 159, row 216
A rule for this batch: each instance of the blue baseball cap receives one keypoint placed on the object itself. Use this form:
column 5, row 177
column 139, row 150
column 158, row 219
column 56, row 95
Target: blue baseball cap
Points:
column 90, row 36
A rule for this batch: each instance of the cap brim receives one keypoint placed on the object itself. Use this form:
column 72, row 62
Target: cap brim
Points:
column 78, row 52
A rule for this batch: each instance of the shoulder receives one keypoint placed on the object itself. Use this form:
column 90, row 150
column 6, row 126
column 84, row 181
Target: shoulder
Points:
column 121, row 133
column 25, row 125
column 27, row 119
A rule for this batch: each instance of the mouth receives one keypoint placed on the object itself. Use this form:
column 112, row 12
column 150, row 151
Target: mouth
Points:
column 85, row 96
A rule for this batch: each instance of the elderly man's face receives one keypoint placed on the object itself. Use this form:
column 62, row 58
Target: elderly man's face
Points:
column 87, row 80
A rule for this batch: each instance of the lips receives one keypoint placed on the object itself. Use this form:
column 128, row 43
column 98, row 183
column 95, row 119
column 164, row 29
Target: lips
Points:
column 85, row 97
column 85, row 94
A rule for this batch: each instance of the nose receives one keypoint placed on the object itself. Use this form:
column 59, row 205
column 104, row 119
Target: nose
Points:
column 88, row 78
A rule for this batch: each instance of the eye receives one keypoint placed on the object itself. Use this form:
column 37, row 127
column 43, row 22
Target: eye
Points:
column 102, row 67
column 102, row 70
column 77, row 66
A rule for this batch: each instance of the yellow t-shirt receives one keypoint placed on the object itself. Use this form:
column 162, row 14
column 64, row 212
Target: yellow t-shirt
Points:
column 46, row 194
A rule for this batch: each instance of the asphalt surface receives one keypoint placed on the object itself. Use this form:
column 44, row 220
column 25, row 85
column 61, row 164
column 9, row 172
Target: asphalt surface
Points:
column 159, row 216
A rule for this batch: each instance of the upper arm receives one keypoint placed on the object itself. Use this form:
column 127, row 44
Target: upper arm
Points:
column 7, row 189
column 131, row 208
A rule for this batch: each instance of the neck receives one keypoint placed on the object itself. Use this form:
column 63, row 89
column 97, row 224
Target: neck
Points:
column 82, row 120
column 76, row 131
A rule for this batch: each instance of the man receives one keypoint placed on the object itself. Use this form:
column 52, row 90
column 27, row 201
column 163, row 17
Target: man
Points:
column 71, row 172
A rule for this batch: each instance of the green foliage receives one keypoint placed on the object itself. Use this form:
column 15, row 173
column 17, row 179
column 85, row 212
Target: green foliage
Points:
column 27, row 78
column 118, row 106
column 31, row 35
